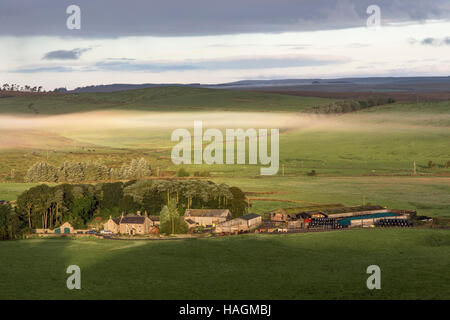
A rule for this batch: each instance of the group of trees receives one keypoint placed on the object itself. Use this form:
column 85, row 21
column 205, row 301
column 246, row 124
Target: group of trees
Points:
column 44, row 206
column 152, row 195
column 170, row 220
column 11, row 227
column 351, row 106
column 431, row 165
column 16, row 87
column 75, row 172
column 184, row 173
column 48, row 207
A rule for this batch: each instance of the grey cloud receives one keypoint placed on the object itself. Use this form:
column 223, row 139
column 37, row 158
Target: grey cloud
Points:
column 43, row 69
column 114, row 18
column 218, row 64
column 73, row 54
column 430, row 41
column 123, row 66
column 243, row 63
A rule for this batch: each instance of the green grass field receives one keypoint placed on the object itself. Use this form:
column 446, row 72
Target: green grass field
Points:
column 158, row 99
column 414, row 265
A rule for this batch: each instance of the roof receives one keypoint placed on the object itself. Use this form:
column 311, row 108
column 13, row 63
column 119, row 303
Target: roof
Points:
column 133, row 219
column 207, row 212
column 66, row 225
column 250, row 216
column 154, row 218
column 190, row 221
column 116, row 220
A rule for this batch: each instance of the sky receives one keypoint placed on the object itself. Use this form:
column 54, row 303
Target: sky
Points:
column 198, row 41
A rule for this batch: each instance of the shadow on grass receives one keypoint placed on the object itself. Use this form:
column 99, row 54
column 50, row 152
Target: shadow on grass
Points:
column 299, row 266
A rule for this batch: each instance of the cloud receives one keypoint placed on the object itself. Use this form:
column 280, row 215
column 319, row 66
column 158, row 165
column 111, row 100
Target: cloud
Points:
column 114, row 18
column 43, row 69
column 236, row 63
column 430, row 41
column 73, row 54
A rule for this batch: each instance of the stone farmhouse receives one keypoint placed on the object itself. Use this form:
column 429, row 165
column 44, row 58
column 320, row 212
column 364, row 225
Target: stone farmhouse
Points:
column 131, row 224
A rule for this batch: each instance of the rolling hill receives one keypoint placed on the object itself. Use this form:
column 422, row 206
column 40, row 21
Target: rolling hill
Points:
column 156, row 99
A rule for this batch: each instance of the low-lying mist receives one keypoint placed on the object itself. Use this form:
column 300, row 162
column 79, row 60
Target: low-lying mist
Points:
column 144, row 129
column 170, row 120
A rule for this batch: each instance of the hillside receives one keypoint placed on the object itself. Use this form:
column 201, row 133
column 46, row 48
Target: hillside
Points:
column 156, row 99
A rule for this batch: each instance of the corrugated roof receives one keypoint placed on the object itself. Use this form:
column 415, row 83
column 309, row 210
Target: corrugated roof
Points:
column 207, row 212
column 250, row 216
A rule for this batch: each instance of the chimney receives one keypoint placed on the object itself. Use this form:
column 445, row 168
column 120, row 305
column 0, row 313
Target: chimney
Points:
column 138, row 213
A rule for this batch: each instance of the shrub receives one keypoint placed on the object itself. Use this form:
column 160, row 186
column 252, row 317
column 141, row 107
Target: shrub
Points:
column 182, row 173
column 312, row 173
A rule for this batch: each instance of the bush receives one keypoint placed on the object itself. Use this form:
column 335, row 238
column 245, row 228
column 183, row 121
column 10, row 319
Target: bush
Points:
column 202, row 174
column 182, row 173
column 312, row 173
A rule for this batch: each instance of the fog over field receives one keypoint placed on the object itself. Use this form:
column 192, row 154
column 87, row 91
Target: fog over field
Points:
column 171, row 120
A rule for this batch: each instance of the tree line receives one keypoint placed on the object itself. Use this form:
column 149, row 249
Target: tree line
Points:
column 46, row 206
column 75, row 172
column 16, row 87
column 351, row 105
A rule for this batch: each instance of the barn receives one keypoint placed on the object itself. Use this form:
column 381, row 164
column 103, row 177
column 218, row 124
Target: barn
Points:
column 65, row 228
column 243, row 223
column 207, row 217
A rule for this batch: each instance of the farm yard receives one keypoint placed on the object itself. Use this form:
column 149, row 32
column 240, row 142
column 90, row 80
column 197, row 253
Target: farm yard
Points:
column 395, row 155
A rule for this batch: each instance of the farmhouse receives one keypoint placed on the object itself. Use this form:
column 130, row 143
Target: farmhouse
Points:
column 207, row 217
column 243, row 223
column 130, row 224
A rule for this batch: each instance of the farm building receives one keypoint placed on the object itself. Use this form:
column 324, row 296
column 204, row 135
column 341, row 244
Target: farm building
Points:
column 190, row 223
column 207, row 217
column 65, row 228
column 295, row 213
column 112, row 225
column 130, row 224
column 155, row 219
column 369, row 219
column 252, row 219
column 334, row 216
column 243, row 223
